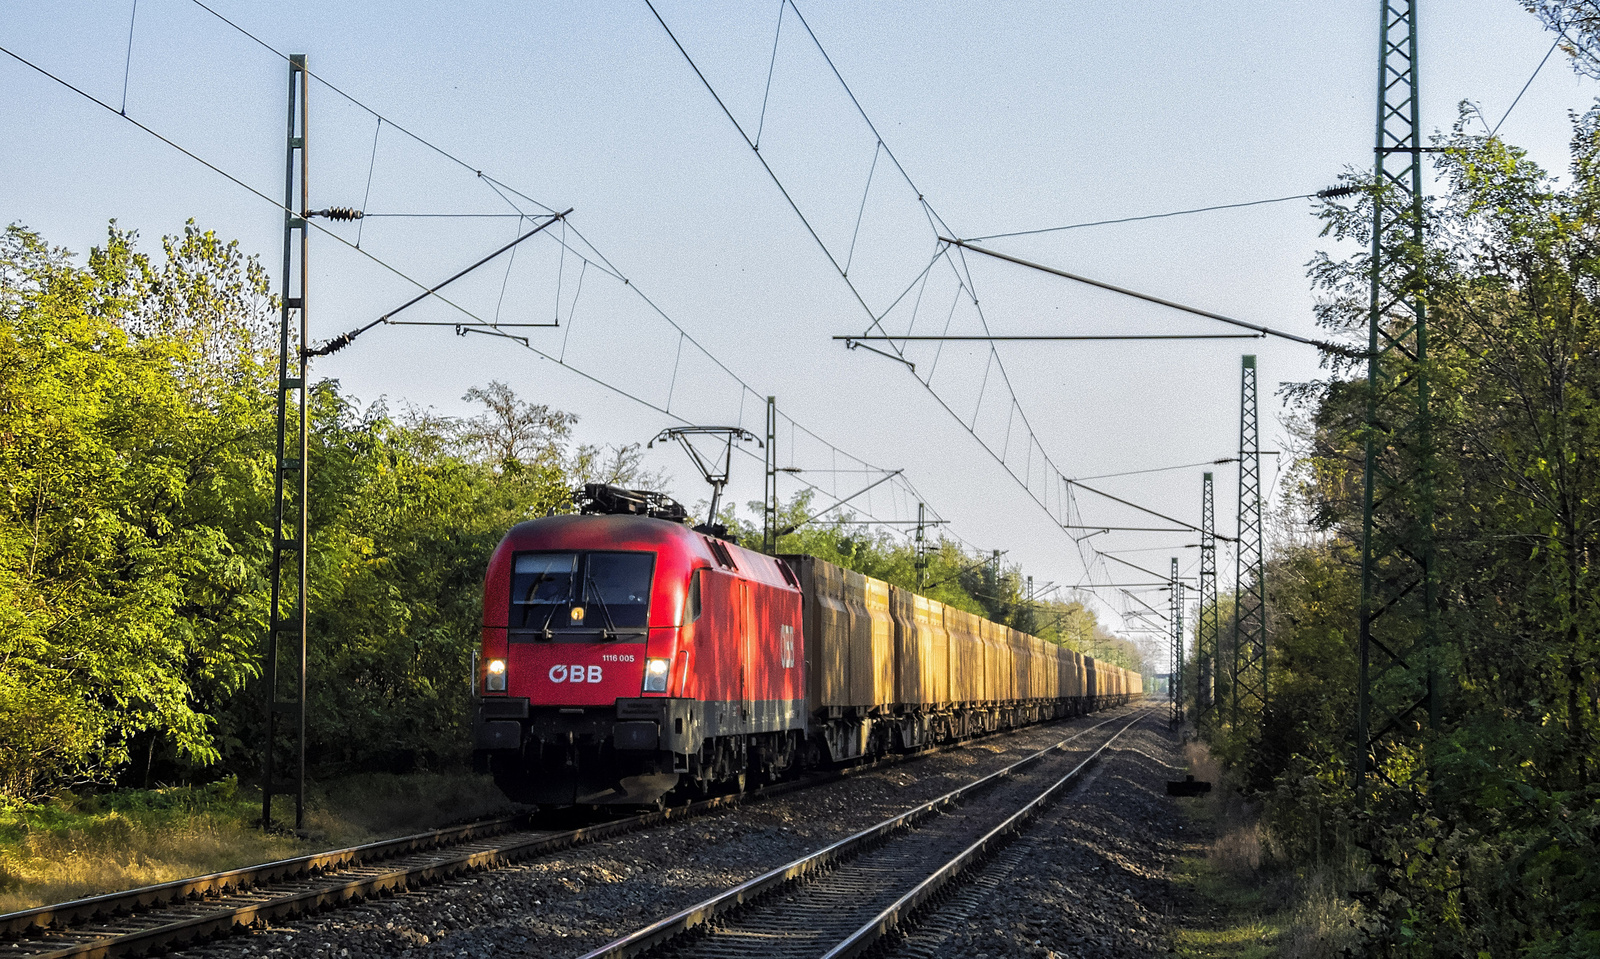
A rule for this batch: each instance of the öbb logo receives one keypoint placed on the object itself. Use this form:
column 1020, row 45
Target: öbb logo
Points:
column 574, row 674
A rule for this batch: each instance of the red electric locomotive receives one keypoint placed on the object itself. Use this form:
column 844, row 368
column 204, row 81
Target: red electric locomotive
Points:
column 626, row 653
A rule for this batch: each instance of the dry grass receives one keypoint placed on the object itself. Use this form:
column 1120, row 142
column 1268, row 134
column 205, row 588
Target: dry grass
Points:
column 1322, row 924
column 1262, row 905
column 81, row 846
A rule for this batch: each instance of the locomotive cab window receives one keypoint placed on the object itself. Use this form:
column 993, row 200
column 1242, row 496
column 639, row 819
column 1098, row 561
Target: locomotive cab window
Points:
column 691, row 603
column 580, row 596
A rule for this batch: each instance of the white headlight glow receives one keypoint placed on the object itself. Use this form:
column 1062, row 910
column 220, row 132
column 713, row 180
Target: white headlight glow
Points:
column 655, row 675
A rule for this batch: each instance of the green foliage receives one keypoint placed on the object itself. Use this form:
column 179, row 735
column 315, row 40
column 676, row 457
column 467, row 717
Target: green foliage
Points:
column 137, row 438
column 127, row 510
column 136, row 450
column 1483, row 836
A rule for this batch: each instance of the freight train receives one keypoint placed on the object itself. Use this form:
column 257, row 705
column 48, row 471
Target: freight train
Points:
column 626, row 655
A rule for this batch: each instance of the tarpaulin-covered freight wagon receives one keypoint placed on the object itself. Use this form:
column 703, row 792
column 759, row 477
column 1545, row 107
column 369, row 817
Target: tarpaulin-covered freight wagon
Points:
column 922, row 649
column 968, row 682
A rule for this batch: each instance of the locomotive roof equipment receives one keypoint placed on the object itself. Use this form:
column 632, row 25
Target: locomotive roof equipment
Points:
column 600, row 498
column 717, row 479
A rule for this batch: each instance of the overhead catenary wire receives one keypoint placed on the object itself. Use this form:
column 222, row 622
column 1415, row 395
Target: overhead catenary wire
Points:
column 1560, row 35
column 600, row 263
column 1338, row 348
column 1049, row 337
column 597, row 259
column 1161, row 469
column 395, row 271
column 939, row 229
column 1153, row 216
column 127, row 63
column 935, row 221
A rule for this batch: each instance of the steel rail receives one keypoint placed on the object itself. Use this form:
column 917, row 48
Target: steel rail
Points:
column 660, row 932
column 906, row 906
column 233, row 880
column 341, row 876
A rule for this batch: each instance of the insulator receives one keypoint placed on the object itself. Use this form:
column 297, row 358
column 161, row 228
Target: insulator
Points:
column 339, row 213
column 1337, row 191
column 334, row 345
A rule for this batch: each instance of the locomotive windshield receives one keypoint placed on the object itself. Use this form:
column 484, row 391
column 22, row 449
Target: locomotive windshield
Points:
column 574, row 595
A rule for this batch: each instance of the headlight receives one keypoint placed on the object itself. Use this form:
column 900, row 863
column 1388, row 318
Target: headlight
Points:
column 496, row 683
column 577, row 614
column 655, row 675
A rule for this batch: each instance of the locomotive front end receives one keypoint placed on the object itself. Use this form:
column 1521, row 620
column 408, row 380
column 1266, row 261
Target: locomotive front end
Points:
column 573, row 682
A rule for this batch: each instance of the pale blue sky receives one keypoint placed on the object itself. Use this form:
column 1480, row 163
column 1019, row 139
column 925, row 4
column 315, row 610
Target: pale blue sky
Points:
column 1007, row 116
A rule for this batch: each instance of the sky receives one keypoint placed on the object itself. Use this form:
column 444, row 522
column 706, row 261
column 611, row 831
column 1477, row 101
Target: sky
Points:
column 696, row 275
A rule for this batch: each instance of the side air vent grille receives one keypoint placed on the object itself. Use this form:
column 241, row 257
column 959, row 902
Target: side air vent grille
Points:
column 719, row 549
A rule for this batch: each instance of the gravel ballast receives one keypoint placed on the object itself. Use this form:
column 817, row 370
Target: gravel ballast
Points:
column 1092, row 876
column 569, row 902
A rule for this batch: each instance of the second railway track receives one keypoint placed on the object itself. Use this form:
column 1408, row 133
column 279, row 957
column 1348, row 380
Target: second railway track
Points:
column 840, row 900
column 171, row 915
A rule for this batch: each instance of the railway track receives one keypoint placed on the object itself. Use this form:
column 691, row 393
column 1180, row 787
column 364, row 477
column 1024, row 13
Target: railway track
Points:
column 841, row 900
column 171, row 915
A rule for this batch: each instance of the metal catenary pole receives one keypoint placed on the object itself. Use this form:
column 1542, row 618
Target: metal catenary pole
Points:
column 1175, row 623
column 1205, row 637
column 1250, row 596
column 769, row 513
column 286, row 629
column 922, row 545
column 1397, row 673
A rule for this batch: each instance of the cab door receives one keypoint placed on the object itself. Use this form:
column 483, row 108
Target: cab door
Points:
column 746, row 626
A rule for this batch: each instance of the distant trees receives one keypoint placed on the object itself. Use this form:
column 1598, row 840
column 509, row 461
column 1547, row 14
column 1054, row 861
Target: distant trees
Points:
column 137, row 431
column 136, row 438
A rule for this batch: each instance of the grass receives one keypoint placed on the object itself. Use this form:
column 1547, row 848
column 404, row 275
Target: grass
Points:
column 1248, row 903
column 84, row 845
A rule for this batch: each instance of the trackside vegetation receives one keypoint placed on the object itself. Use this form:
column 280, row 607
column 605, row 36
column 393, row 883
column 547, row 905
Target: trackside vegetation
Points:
column 136, row 470
column 1479, row 836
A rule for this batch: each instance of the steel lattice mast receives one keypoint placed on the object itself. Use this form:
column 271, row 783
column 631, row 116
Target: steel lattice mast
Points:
column 1175, row 623
column 286, row 628
column 1399, row 577
column 1205, row 636
column 1250, row 598
column 769, row 510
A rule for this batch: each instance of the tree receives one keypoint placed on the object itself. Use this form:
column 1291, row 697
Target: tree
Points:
column 126, row 520
column 1578, row 23
column 1482, row 836
column 513, row 434
column 616, row 466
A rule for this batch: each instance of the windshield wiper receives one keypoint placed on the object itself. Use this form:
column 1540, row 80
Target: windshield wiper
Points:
column 545, row 632
column 610, row 632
